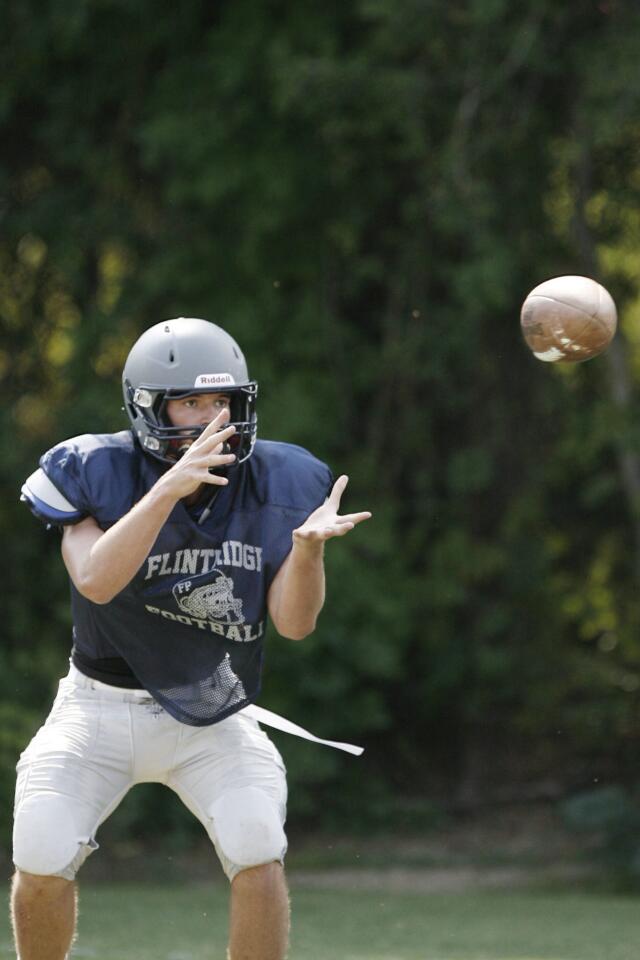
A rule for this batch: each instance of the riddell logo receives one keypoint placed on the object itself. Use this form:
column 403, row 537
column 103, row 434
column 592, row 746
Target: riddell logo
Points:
column 214, row 380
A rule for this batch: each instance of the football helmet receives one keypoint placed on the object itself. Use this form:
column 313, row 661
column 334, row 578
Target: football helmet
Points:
column 177, row 358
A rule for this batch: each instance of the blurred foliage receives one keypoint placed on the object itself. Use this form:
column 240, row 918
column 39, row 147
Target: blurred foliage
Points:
column 611, row 814
column 362, row 194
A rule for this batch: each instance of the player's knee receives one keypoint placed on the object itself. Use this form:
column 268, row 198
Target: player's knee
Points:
column 45, row 839
column 248, row 830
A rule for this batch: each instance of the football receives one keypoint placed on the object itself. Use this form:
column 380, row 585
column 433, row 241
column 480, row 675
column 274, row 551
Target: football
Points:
column 568, row 319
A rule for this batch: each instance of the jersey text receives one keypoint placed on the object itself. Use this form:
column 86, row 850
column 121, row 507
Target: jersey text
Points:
column 231, row 553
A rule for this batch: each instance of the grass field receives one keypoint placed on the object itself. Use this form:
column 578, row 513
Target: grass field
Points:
column 147, row 922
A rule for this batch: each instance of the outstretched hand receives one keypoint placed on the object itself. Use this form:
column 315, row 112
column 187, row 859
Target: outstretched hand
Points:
column 325, row 522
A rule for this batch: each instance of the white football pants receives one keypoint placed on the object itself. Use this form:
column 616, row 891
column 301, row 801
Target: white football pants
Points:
column 99, row 741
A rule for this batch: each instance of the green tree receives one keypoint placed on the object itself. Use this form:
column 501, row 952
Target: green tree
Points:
column 363, row 194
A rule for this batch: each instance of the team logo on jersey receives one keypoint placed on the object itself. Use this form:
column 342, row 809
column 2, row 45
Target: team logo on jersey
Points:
column 213, row 600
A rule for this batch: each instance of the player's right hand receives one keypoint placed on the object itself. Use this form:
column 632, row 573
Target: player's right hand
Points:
column 204, row 454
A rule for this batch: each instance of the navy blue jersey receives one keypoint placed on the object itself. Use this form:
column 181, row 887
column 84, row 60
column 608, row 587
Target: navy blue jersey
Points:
column 191, row 622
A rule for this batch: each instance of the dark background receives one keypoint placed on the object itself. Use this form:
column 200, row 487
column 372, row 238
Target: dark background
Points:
column 362, row 194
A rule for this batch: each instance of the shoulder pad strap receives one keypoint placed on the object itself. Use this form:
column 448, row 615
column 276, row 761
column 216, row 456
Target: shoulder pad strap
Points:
column 46, row 500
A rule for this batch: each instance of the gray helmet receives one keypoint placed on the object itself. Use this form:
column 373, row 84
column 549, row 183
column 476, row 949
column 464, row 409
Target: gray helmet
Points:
column 176, row 358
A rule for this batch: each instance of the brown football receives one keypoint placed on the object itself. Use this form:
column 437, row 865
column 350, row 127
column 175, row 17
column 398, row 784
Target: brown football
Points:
column 568, row 319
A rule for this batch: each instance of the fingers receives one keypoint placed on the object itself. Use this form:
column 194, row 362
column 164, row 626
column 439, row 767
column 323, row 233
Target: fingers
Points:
column 212, row 436
column 338, row 528
column 204, row 464
column 354, row 518
column 317, row 534
column 210, row 453
column 215, row 428
column 323, row 533
column 214, row 479
column 211, row 442
column 206, row 453
column 212, row 458
column 218, row 420
column 337, row 491
column 325, row 522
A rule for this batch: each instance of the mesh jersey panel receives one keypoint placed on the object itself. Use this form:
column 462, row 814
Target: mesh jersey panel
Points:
column 214, row 697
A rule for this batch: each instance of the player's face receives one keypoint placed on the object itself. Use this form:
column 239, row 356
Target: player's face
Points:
column 198, row 409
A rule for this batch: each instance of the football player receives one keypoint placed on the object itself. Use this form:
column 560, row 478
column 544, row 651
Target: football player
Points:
column 180, row 535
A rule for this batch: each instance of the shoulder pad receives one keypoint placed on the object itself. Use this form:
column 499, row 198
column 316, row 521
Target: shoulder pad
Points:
column 290, row 476
column 97, row 473
column 46, row 501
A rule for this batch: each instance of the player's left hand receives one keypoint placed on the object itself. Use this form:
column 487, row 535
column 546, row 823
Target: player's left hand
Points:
column 325, row 522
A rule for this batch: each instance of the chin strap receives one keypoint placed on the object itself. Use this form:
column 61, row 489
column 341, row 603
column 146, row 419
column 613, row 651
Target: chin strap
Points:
column 207, row 510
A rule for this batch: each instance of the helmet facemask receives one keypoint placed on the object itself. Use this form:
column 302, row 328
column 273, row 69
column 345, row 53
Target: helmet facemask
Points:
column 146, row 407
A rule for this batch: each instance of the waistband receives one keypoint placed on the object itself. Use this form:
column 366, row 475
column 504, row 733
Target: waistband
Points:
column 262, row 716
column 106, row 691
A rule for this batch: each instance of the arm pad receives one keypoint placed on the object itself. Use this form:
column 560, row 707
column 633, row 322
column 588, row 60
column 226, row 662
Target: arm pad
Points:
column 46, row 501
